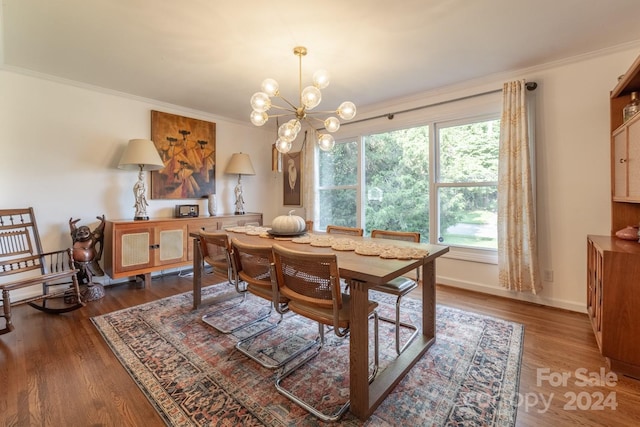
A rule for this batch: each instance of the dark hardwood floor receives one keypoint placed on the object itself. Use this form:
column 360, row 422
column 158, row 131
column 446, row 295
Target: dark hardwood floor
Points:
column 56, row 370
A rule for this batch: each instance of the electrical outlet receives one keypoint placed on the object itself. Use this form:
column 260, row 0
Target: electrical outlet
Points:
column 548, row 276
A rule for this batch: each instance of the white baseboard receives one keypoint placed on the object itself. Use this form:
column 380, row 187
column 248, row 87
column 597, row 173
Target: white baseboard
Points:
column 448, row 281
column 520, row 296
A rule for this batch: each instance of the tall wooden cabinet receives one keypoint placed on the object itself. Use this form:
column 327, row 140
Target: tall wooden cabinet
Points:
column 138, row 248
column 625, row 154
column 613, row 265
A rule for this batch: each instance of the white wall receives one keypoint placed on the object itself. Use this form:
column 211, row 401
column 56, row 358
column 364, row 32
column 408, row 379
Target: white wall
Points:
column 573, row 171
column 61, row 143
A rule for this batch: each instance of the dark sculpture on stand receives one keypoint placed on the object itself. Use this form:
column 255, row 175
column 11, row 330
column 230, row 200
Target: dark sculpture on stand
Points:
column 87, row 251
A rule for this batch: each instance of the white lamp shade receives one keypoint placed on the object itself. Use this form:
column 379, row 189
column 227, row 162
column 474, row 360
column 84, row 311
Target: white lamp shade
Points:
column 141, row 154
column 240, row 163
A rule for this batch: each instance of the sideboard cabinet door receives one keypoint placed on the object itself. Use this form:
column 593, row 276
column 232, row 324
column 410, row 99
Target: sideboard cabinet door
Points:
column 132, row 248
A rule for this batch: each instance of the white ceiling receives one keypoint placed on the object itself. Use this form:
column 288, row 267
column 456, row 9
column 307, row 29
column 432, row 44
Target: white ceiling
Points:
column 212, row 55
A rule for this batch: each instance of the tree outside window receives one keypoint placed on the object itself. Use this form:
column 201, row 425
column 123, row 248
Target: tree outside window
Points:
column 467, row 183
column 399, row 181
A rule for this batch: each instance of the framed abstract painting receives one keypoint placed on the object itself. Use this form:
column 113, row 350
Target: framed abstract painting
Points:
column 188, row 149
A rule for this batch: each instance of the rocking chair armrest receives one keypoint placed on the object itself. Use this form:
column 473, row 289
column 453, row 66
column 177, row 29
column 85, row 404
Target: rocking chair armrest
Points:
column 51, row 262
column 67, row 250
column 61, row 252
column 37, row 280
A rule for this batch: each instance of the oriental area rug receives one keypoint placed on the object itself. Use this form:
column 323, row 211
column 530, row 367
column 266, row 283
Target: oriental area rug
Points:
column 194, row 376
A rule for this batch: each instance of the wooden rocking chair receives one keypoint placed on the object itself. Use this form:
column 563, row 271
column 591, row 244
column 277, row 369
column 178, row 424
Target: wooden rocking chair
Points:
column 21, row 257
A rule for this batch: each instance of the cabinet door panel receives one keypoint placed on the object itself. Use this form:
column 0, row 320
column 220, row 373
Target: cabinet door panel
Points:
column 620, row 164
column 633, row 162
column 595, row 275
column 171, row 243
column 132, row 249
column 135, row 249
column 171, row 247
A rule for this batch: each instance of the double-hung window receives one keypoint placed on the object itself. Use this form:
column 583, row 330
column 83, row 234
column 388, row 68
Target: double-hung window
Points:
column 438, row 177
column 338, row 185
column 466, row 184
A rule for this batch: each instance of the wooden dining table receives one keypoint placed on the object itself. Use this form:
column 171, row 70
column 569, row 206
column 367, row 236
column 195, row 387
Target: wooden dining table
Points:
column 364, row 272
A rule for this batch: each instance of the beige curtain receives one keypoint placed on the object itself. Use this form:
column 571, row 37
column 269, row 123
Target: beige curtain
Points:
column 517, row 248
column 308, row 182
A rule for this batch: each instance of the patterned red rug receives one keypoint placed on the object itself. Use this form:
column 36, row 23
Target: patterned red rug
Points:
column 193, row 375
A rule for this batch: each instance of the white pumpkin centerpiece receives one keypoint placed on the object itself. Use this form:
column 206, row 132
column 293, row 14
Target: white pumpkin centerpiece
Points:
column 289, row 224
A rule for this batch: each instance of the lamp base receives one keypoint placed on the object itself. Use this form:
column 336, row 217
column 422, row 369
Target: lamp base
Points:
column 239, row 213
column 141, row 218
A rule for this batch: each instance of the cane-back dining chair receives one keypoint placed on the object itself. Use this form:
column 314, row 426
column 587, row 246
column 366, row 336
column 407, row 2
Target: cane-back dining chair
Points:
column 252, row 264
column 338, row 229
column 215, row 249
column 400, row 286
column 24, row 262
column 311, row 282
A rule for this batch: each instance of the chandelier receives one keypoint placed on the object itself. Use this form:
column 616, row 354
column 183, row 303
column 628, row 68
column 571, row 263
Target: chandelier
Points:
column 310, row 97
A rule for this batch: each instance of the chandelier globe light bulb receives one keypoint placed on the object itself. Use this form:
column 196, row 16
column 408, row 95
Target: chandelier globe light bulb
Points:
column 321, row 79
column 332, row 124
column 297, row 126
column 259, row 118
column 270, row 87
column 283, row 146
column 326, row 142
column 260, row 102
column 287, row 132
column 347, row 110
column 311, row 97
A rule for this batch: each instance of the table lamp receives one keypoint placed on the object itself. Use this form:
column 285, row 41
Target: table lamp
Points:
column 240, row 163
column 141, row 154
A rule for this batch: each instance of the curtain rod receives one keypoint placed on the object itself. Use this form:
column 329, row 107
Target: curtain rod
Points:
column 529, row 85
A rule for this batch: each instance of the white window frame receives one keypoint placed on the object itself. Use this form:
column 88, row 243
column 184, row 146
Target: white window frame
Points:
column 465, row 110
column 483, row 254
column 357, row 186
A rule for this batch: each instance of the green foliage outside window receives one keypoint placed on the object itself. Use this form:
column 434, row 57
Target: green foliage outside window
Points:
column 396, row 183
column 397, row 169
column 468, row 154
column 338, row 177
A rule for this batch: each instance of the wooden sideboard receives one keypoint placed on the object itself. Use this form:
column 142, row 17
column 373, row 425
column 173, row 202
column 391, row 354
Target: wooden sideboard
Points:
column 613, row 298
column 138, row 248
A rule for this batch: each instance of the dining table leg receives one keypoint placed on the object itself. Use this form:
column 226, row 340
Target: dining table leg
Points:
column 366, row 397
column 429, row 300
column 197, row 274
column 359, row 350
